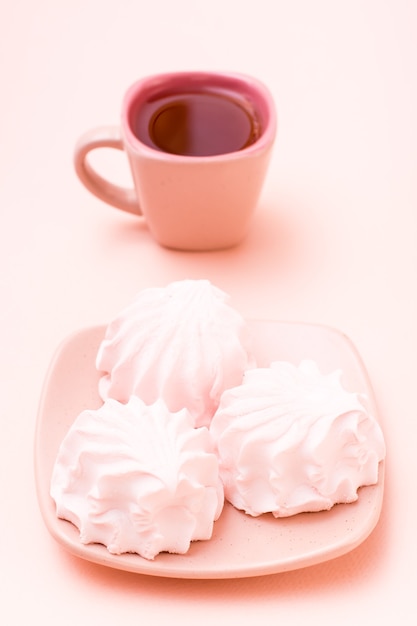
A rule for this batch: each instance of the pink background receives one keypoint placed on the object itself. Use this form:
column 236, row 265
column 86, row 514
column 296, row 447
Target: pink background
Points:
column 333, row 242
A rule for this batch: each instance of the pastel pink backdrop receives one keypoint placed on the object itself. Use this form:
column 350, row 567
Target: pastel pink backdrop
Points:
column 333, row 242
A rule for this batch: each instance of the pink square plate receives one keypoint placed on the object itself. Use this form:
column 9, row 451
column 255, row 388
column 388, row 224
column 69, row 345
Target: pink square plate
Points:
column 241, row 545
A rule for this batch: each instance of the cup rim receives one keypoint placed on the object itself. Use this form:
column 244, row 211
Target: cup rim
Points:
column 153, row 83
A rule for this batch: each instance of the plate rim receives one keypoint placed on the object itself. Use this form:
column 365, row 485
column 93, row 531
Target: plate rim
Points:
column 134, row 563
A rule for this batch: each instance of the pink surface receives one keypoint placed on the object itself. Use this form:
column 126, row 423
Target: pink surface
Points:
column 333, row 242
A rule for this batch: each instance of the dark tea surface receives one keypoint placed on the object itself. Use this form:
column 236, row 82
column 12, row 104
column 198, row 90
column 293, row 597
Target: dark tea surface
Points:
column 196, row 124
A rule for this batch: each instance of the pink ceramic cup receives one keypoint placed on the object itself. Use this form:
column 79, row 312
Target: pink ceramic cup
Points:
column 189, row 202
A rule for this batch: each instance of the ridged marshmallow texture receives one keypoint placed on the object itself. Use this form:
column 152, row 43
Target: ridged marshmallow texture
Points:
column 293, row 440
column 183, row 343
column 138, row 478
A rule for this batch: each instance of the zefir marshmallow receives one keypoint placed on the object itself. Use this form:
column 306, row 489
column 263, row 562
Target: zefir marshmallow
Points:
column 138, row 478
column 183, row 343
column 291, row 439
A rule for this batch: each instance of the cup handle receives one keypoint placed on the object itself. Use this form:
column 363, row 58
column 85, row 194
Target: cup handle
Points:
column 103, row 137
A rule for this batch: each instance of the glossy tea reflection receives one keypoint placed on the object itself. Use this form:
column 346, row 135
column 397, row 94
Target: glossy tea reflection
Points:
column 205, row 123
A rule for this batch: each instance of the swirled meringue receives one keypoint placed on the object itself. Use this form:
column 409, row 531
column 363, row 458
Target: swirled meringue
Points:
column 183, row 343
column 138, row 478
column 292, row 440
